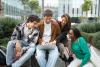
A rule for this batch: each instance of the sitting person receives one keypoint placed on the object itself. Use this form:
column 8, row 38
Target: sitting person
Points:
column 62, row 39
column 22, row 44
column 49, row 30
column 80, row 49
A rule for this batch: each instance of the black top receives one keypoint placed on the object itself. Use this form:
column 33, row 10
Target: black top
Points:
column 64, row 30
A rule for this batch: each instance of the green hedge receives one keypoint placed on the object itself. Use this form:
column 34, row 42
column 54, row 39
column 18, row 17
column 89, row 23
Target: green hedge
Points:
column 88, row 27
column 97, row 26
column 6, row 26
column 95, row 38
column 87, row 36
column 4, row 41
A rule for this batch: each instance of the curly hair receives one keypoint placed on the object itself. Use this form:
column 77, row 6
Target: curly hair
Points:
column 76, row 32
column 33, row 18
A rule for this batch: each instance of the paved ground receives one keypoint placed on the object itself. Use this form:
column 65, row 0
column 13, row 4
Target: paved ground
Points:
column 97, row 51
column 61, row 63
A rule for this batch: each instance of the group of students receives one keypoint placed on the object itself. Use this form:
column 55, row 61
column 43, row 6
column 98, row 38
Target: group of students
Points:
column 47, row 36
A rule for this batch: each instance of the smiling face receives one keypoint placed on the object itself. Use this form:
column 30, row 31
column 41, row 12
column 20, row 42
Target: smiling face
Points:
column 32, row 21
column 74, row 33
column 71, row 34
column 47, row 19
column 31, row 25
column 48, row 16
column 64, row 19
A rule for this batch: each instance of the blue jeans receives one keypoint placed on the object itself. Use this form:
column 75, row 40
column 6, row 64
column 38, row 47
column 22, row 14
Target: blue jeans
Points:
column 24, row 57
column 52, row 57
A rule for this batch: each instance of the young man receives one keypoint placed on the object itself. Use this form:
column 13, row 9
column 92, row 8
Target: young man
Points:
column 49, row 30
column 22, row 44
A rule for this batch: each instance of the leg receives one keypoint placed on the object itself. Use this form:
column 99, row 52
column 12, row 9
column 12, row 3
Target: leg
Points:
column 53, row 56
column 64, row 51
column 24, row 57
column 88, row 65
column 75, row 63
column 61, row 49
column 40, row 56
column 10, row 52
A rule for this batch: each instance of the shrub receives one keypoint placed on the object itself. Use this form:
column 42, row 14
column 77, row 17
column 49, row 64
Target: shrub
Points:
column 95, row 38
column 87, row 36
column 6, row 26
column 87, row 27
column 97, row 26
column 4, row 41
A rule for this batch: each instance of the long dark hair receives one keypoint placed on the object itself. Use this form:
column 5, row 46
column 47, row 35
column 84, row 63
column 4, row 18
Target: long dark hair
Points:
column 67, row 26
column 67, row 16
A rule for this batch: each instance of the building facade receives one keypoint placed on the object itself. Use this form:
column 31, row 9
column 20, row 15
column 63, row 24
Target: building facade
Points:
column 14, row 8
column 74, row 8
column 49, row 4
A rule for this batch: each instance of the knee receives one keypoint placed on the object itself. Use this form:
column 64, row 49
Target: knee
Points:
column 57, row 54
column 40, row 55
column 30, row 51
column 11, row 44
column 54, row 54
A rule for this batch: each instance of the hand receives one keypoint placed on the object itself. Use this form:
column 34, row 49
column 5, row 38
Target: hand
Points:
column 78, row 66
column 53, row 42
column 43, row 43
column 18, row 50
column 18, row 47
column 73, row 55
column 18, row 55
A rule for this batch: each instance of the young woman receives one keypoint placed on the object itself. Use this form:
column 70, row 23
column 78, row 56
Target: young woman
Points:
column 62, row 40
column 80, row 48
column 65, row 26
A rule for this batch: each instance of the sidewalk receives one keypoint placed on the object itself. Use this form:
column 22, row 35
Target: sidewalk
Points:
column 97, row 51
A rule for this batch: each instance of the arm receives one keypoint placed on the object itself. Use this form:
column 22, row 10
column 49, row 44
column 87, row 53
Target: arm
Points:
column 34, row 37
column 60, row 38
column 16, row 35
column 85, row 50
column 58, row 31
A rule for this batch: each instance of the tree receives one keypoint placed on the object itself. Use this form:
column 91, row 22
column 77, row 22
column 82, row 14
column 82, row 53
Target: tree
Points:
column 38, row 10
column 24, row 1
column 86, row 6
column 33, row 4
